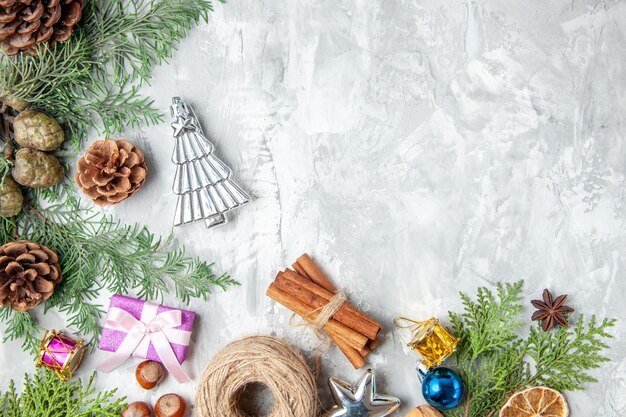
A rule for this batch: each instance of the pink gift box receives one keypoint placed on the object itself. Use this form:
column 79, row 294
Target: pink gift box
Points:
column 111, row 339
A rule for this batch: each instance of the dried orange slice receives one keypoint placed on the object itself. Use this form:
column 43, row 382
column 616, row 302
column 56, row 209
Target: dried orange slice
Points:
column 536, row 402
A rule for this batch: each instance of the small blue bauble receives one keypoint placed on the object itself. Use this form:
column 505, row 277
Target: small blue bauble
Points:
column 442, row 388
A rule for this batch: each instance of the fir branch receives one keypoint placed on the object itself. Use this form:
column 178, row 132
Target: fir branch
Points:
column 495, row 362
column 44, row 394
column 489, row 353
column 21, row 325
column 563, row 356
column 98, row 253
column 135, row 35
column 92, row 80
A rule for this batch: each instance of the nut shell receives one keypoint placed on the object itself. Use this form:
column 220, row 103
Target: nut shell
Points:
column 137, row 409
column 149, row 374
column 11, row 198
column 33, row 129
column 170, row 405
column 424, row 411
column 36, row 169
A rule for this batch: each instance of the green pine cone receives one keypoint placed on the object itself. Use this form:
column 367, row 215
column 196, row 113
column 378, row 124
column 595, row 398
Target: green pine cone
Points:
column 37, row 130
column 11, row 198
column 37, row 169
column 14, row 102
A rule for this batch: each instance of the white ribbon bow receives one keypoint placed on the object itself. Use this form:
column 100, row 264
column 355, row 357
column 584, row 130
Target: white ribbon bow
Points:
column 158, row 329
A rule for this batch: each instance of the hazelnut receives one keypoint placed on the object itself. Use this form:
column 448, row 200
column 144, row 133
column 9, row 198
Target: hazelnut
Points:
column 424, row 411
column 149, row 374
column 137, row 409
column 170, row 405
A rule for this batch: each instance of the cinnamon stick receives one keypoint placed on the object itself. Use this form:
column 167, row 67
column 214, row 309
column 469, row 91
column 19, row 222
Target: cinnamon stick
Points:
column 366, row 351
column 356, row 359
column 373, row 344
column 300, row 270
column 333, row 328
column 326, row 295
column 315, row 273
column 344, row 315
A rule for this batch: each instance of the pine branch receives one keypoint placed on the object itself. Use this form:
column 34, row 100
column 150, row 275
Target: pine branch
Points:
column 21, row 325
column 136, row 35
column 495, row 362
column 563, row 357
column 44, row 394
column 489, row 352
column 98, row 253
column 92, row 80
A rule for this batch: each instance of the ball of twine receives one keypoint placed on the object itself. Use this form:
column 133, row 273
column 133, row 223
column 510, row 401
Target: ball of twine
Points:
column 257, row 359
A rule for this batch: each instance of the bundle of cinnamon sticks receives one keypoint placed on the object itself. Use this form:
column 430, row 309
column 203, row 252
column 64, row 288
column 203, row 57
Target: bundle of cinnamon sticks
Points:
column 306, row 290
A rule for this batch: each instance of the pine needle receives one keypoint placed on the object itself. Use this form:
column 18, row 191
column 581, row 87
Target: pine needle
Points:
column 44, row 394
column 495, row 362
column 92, row 81
column 97, row 253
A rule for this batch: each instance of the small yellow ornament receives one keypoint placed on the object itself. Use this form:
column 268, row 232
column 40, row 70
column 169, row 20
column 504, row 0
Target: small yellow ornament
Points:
column 430, row 339
column 424, row 411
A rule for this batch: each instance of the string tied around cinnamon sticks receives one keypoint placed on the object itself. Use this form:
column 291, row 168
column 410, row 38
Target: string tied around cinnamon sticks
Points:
column 323, row 315
column 308, row 292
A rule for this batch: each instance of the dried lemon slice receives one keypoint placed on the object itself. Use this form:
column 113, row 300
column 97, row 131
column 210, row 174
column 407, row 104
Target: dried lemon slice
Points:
column 536, row 402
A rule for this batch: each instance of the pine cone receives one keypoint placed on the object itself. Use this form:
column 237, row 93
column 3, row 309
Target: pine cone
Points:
column 26, row 23
column 36, row 169
column 28, row 274
column 10, row 102
column 110, row 171
column 11, row 198
column 37, row 130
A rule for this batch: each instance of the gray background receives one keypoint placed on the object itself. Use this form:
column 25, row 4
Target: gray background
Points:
column 415, row 148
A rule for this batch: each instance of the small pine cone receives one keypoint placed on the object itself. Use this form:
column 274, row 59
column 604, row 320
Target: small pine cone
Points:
column 26, row 23
column 11, row 198
column 37, row 130
column 36, row 169
column 110, row 171
column 10, row 102
column 29, row 274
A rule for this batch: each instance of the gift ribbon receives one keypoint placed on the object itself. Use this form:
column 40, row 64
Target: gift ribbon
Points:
column 418, row 329
column 158, row 329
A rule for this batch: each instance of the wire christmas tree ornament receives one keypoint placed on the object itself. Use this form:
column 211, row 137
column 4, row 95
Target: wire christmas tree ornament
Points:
column 202, row 182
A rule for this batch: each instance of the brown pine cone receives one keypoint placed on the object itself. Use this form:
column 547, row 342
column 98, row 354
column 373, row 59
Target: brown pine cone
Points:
column 26, row 23
column 110, row 171
column 28, row 274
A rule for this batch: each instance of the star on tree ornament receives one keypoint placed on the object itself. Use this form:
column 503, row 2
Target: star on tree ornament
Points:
column 360, row 400
column 186, row 125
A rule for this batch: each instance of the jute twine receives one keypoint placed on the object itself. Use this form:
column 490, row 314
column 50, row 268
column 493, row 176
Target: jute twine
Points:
column 325, row 314
column 257, row 359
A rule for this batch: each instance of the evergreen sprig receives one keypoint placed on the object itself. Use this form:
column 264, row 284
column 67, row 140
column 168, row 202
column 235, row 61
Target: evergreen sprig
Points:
column 44, row 394
column 97, row 253
column 93, row 79
column 495, row 362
